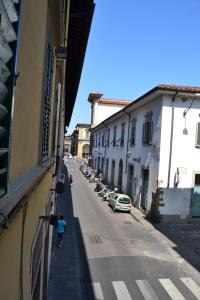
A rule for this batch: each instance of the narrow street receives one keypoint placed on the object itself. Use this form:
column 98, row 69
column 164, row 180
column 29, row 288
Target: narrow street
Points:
column 120, row 257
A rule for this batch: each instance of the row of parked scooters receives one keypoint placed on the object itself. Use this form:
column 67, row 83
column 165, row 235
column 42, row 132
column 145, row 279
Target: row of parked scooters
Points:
column 102, row 189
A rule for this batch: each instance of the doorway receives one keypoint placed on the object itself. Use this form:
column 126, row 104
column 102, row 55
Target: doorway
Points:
column 129, row 189
column 102, row 165
column 112, row 174
column 106, row 171
column 195, row 205
column 144, row 188
column 120, row 176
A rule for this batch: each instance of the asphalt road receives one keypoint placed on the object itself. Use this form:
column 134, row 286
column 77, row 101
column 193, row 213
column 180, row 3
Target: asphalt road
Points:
column 121, row 258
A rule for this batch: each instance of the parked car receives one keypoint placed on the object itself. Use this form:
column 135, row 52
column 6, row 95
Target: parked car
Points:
column 70, row 156
column 120, row 202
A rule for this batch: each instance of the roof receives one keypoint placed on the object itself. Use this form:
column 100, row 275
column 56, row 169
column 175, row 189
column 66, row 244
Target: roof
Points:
column 179, row 87
column 114, row 101
column 80, row 19
column 83, row 125
column 162, row 88
column 96, row 97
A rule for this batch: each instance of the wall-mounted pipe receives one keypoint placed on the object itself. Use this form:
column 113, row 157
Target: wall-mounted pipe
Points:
column 171, row 141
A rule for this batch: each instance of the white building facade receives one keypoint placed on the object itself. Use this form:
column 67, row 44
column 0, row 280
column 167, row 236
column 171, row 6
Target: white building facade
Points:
column 151, row 150
column 103, row 108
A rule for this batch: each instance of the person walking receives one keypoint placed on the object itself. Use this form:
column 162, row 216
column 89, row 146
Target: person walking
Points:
column 60, row 229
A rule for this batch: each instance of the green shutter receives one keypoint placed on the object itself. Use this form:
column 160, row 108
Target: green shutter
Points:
column 9, row 19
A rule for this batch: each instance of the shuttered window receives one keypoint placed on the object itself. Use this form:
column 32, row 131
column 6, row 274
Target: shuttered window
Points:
column 122, row 134
column 133, row 132
column 9, row 21
column 147, row 133
column 102, row 139
column 108, row 137
column 198, row 135
column 114, row 136
column 47, row 102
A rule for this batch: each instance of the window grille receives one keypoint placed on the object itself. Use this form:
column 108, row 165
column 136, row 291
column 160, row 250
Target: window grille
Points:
column 47, row 102
column 198, row 135
column 9, row 24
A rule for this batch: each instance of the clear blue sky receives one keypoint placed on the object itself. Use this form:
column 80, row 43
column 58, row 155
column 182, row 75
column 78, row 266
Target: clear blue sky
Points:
column 135, row 45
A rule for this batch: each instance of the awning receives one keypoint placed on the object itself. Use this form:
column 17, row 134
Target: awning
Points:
column 81, row 13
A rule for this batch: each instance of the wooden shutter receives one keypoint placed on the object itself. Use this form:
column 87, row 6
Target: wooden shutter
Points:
column 9, row 21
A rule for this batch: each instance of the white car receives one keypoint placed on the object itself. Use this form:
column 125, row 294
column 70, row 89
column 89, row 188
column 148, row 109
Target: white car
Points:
column 120, row 202
column 70, row 156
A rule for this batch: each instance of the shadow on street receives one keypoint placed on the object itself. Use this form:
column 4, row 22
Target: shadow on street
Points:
column 69, row 274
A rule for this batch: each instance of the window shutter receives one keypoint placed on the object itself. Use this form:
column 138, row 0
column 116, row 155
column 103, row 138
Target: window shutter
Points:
column 198, row 135
column 9, row 19
column 47, row 102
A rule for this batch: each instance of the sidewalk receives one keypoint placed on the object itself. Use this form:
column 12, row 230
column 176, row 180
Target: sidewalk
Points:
column 64, row 277
column 183, row 239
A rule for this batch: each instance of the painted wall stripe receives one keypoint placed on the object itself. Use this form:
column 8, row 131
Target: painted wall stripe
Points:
column 121, row 290
column 170, row 288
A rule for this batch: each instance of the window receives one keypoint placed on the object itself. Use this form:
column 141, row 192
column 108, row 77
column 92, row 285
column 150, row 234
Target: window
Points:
column 133, row 132
column 55, row 112
column 87, row 133
column 197, row 179
column 114, row 136
column 147, row 130
column 198, row 135
column 102, row 139
column 9, row 34
column 93, row 140
column 47, row 102
column 99, row 140
column 108, row 137
column 122, row 135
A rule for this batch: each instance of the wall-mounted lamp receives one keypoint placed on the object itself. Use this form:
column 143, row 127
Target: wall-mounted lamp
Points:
column 61, row 52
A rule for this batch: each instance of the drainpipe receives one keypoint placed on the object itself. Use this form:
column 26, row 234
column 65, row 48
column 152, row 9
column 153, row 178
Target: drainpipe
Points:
column 129, row 118
column 171, row 141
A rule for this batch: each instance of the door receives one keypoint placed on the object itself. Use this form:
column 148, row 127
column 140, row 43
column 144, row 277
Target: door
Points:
column 195, row 205
column 144, row 188
column 130, row 181
column 120, row 176
column 102, row 165
column 112, row 173
column 106, row 172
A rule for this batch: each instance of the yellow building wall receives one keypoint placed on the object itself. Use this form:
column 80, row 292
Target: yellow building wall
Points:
column 10, row 243
column 26, row 126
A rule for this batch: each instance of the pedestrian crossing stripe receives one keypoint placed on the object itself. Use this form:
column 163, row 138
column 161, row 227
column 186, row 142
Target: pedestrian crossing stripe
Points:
column 147, row 291
column 121, row 290
column 192, row 286
column 171, row 289
column 97, row 291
